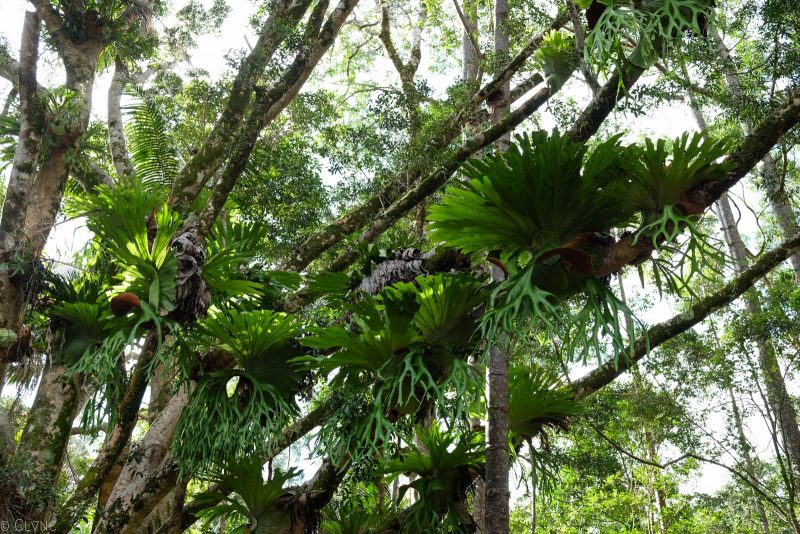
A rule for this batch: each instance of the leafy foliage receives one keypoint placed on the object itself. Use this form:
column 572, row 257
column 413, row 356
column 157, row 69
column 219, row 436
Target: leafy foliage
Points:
column 254, row 502
column 235, row 413
column 445, row 467
column 654, row 27
column 153, row 150
column 407, row 347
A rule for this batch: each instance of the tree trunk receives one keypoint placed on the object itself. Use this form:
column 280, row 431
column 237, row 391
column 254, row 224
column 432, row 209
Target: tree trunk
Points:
column 496, row 513
column 776, row 194
column 44, row 440
column 777, row 395
column 21, row 178
column 116, row 134
column 471, row 61
column 500, row 102
column 746, row 456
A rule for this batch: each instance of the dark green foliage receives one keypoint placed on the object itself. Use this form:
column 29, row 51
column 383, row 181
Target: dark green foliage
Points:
column 655, row 27
column 445, row 467
column 538, row 401
column 236, row 412
column 542, row 192
column 406, row 348
column 255, row 504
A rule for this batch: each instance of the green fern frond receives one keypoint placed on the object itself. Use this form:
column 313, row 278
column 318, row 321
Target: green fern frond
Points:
column 254, row 501
column 533, row 198
column 154, row 152
column 538, row 401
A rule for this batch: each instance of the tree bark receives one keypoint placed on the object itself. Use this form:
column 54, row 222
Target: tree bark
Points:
column 777, row 394
column 116, row 133
column 778, row 199
column 498, row 452
column 282, row 20
column 23, row 172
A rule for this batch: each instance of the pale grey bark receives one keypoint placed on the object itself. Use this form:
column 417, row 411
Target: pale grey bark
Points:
column 780, row 402
column 747, row 457
column 13, row 244
column 778, row 199
column 116, row 133
column 498, row 452
column 500, row 101
column 44, row 439
column 470, row 49
column 136, row 493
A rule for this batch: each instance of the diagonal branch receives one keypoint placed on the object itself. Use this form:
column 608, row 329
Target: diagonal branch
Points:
column 282, row 20
column 662, row 332
column 325, row 238
column 269, row 103
column 750, row 151
column 746, row 477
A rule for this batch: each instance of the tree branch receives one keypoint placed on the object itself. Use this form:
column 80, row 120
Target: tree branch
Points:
column 269, row 103
column 662, row 332
column 750, row 151
column 204, row 164
column 747, row 478
column 325, row 238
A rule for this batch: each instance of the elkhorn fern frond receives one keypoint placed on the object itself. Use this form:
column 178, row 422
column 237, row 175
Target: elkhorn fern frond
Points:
column 534, row 198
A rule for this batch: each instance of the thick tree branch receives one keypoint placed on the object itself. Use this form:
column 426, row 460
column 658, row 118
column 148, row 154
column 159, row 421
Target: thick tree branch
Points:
column 426, row 187
column 269, row 103
column 202, row 166
column 325, row 238
column 662, row 332
column 604, row 102
column 750, row 151
column 118, row 438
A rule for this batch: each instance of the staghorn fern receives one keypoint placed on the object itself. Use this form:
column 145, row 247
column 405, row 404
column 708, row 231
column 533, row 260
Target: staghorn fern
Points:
column 538, row 401
column 556, row 57
column 119, row 219
column 254, row 503
column 534, row 198
column 445, row 468
column 406, row 347
column 654, row 27
column 237, row 412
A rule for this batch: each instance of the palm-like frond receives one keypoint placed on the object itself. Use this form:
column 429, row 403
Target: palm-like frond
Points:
column 231, row 246
column 119, row 219
column 154, row 152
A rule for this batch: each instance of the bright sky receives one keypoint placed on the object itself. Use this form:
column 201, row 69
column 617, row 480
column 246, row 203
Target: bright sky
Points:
column 671, row 121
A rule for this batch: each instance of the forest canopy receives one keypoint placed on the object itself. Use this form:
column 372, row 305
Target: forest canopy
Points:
column 372, row 267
